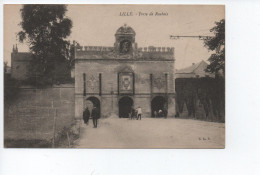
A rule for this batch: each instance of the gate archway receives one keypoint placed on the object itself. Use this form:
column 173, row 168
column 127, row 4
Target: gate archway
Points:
column 158, row 103
column 125, row 104
column 91, row 102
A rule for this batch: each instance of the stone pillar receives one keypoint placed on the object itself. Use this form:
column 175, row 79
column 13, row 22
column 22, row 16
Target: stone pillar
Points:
column 79, row 106
column 171, row 106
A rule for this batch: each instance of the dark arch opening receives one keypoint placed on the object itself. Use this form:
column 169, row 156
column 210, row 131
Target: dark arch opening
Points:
column 158, row 103
column 125, row 104
column 95, row 101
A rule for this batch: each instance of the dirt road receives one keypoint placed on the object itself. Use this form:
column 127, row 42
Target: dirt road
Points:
column 152, row 133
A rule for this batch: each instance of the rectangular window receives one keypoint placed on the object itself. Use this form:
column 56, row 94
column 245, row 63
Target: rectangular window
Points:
column 133, row 84
column 151, row 83
column 84, row 84
column 166, row 83
column 118, row 83
column 100, row 84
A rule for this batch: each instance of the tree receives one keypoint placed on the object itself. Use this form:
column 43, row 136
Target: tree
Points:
column 5, row 66
column 216, row 44
column 45, row 28
column 72, row 49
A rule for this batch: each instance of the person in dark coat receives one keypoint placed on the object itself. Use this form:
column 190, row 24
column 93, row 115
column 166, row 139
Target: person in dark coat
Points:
column 160, row 113
column 86, row 115
column 95, row 116
column 165, row 112
column 133, row 113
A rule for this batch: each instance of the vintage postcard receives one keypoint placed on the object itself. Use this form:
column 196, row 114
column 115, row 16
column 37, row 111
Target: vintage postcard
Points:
column 114, row 76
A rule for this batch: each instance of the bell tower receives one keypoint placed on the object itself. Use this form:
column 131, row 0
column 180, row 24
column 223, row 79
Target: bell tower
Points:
column 125, row 40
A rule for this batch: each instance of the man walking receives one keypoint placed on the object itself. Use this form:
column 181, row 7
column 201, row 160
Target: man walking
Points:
column 132, row 113
column 165, row 112
column 139, row 113
column 160, row 113
column 95, row 116
column 86, row 115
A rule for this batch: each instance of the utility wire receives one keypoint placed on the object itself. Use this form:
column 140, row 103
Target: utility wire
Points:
column 201, row 37
column 185, row 33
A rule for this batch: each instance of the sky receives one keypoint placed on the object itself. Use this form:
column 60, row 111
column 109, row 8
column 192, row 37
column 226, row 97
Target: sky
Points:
column 95, row 25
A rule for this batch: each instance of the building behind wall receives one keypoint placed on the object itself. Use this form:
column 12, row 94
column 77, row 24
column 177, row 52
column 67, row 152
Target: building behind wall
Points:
column 19, row 64
column 196, row 70
column 116, row 78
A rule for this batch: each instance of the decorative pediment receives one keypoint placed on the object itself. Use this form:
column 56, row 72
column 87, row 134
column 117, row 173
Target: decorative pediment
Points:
column 125, row 40
column 126, row 69
column 125, row 30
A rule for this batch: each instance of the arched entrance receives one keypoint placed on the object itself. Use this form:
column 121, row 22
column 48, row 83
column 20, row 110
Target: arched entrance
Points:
column 125, row 104
column 91, row 102
column 158, row 103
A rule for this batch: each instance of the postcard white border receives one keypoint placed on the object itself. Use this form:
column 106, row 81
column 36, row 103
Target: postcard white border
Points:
column 241, row 155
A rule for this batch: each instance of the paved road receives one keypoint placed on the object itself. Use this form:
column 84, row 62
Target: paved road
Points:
column 152, row 133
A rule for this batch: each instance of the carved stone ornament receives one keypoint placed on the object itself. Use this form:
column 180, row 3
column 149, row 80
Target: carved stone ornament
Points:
column 159, row 83
column 92, row 83
column 125, row 47
column 126, row 82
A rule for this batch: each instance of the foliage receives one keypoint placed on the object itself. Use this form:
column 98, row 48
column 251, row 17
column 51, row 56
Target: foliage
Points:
column 45, row 28
column 217, row 44
column 67, row 136
column 72, row 49
column 209, row 91
column 11, row 89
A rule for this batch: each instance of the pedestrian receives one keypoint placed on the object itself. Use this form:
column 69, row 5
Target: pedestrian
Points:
column 86, row 115
column 160, row 113
column 95, row 116
column 132, row 113
column 155, row 114
column 139, row 113
column 165, row 112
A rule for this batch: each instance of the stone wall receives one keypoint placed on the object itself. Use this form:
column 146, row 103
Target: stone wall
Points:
column 109, row 70
column 31, row 115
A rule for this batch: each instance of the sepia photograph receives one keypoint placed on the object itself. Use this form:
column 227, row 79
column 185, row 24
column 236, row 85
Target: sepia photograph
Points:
column 114, row 76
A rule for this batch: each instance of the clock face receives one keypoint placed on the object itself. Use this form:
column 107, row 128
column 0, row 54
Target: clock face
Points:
column 125, row 47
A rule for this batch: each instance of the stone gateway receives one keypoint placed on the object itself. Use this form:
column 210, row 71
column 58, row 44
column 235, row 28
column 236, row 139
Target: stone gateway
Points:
column 116, row 79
